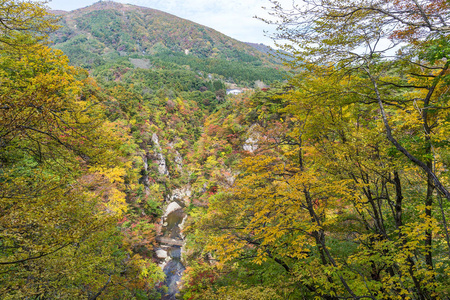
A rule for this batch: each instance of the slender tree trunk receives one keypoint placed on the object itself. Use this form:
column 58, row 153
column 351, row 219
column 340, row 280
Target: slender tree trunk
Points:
column 439, row 186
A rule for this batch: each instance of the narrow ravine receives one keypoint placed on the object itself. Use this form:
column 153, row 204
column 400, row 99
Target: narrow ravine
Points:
column 170, row 237
column 171, row 246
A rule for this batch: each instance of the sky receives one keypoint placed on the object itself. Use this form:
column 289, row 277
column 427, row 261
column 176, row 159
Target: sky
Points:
column 234, row 18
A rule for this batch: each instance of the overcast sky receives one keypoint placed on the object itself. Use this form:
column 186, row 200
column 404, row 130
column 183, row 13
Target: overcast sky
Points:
column 234, row 18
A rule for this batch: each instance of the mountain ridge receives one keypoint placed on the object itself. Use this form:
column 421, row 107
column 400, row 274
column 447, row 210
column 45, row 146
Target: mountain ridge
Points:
column 127, row 29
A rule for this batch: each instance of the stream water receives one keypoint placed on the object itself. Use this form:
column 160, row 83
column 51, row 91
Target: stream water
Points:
column 171, row 241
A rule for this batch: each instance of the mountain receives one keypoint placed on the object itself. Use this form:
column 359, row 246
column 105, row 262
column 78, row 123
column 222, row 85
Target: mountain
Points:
column 262, row 48
column 110, row 29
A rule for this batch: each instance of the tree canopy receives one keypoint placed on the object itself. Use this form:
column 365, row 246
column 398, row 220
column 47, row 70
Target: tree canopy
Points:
column 331, row 185
column 340, row 189
column 62, row 175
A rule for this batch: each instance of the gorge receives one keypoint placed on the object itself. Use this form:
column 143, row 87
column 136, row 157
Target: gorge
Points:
column 128, row 172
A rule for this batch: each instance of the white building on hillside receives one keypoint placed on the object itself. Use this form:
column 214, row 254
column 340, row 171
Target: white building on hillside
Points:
column 234, row 92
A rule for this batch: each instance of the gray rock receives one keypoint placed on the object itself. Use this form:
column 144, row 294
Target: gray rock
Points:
column 173, row 206
column 161, row 254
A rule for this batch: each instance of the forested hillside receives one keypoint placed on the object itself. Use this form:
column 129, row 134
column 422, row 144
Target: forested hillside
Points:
column 127, row 172
column 133, row 29
column 106, row 31
column 93, row 163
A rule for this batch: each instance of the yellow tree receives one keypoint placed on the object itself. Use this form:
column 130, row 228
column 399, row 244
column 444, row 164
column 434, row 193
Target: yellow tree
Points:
column 344, row 192
column 378, row 38
column 24, row 22
column 327, row 199
column 62, row 175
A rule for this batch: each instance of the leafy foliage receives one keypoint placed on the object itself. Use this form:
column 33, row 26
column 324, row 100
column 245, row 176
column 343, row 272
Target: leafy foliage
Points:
column 332, row 185
column 63, row 169
column 323, row 197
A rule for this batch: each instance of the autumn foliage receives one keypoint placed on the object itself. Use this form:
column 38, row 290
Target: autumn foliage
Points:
column 344, row 192
column 63, row 170
column 331, row 185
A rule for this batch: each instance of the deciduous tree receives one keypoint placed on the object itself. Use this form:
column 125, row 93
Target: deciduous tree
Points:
column 62, row 175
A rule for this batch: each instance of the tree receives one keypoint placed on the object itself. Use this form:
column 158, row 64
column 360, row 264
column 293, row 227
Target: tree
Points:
column 345, row 191
column 361, row 36
column 62, row 176
column 328, row 200
column 21, row 21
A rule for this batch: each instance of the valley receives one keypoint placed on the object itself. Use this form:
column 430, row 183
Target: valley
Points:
column 165, row 75
column 145, row 156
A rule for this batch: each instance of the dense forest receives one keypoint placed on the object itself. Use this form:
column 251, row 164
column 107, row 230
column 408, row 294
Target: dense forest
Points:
column 127, row 172
column 106, row 31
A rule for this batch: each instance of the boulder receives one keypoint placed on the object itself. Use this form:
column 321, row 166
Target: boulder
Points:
column 161, row 254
